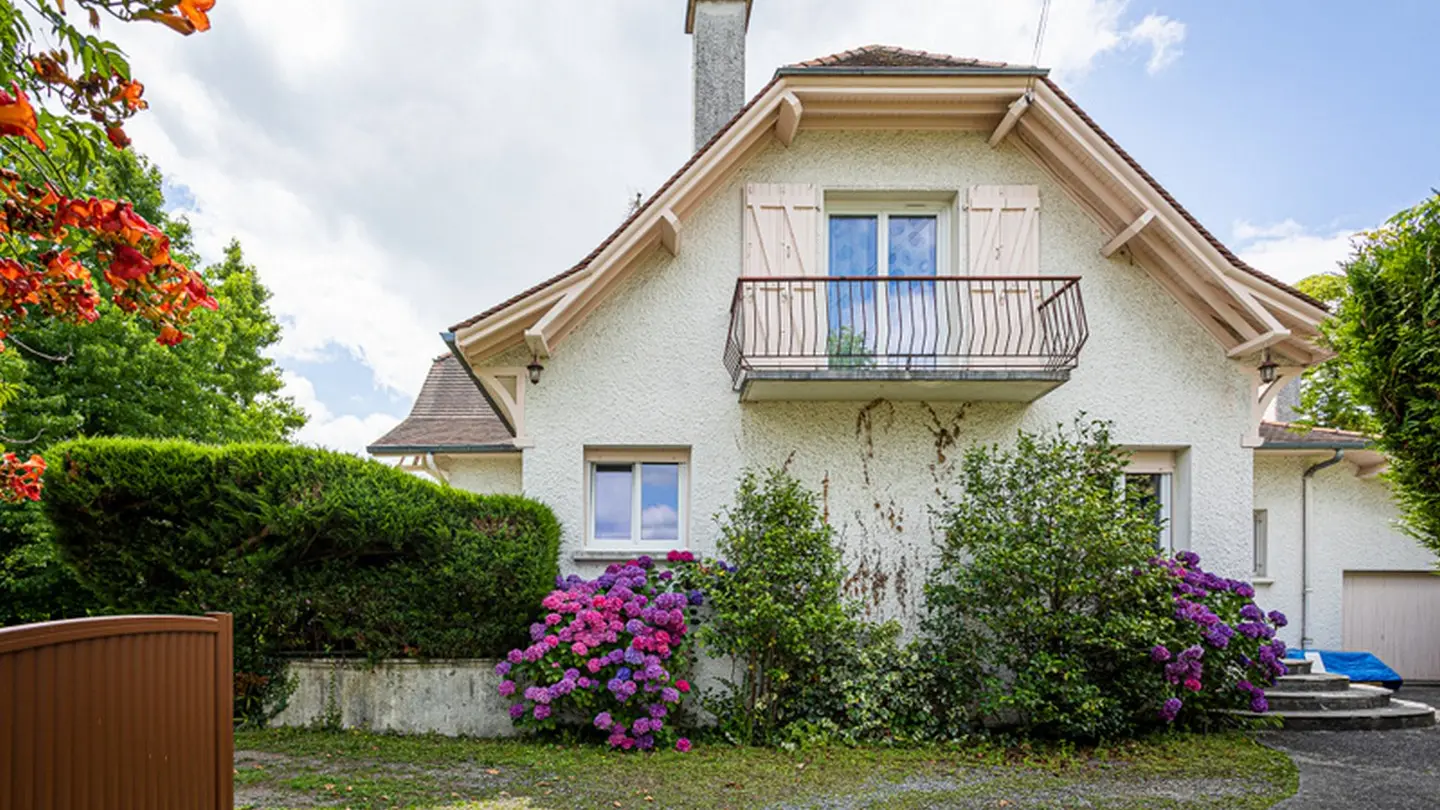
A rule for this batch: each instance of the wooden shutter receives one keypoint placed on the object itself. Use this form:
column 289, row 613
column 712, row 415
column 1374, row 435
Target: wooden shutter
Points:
column 1004, row 239
column 1004, row 230
column 782, row 229
column 785, row 320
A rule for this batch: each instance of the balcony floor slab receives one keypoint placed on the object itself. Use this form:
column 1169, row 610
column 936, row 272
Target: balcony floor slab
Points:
column 863, row 385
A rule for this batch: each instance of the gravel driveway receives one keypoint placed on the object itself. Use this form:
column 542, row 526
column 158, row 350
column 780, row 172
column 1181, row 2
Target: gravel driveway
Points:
column 1384, row 770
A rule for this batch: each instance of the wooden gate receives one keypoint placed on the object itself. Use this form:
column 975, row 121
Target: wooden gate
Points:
column 117, row 712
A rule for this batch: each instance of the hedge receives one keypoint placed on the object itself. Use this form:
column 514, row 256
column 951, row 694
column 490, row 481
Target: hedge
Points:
column 311, row 550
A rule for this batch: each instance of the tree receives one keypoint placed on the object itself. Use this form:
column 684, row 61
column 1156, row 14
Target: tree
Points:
column 111, row 378
column 1387, row 335
column 1326, row 399
column 62, row 253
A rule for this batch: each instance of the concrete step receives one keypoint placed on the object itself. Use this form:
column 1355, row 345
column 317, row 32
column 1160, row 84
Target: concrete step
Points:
column 1398, row 714
column 1298, row 666
column 1355, row 698
column 1317, row 682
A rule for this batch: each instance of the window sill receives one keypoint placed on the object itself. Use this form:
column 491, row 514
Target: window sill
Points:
column 609, row 555
column 1262, row 581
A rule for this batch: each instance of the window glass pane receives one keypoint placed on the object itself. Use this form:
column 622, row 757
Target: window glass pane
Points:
column 1154, row 488
column 853, row 320
column 1261, row 519
column 613, row 501
column 914, row 324
column 660, row 502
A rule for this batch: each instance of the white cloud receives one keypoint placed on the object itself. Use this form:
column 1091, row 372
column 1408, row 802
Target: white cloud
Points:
column 390, row 173
column 1289, row 251
column 344, row 432
column 1163, row 36
column 659, row 522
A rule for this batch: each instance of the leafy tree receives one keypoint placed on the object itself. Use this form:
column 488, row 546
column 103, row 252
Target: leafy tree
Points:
column 63, row 253
column 1387, row 334
column 1326, row 399
column 110, row 378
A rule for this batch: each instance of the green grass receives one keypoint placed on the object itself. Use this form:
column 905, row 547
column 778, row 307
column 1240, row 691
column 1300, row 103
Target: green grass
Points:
column 359, row 770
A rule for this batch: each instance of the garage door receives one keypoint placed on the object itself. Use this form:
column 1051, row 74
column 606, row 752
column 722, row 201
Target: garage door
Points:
column 1396, row 616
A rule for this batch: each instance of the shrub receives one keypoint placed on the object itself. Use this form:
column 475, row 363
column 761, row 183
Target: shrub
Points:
column 809, row 670
column 1221, row 649
column 608, row 653
column 310, row 550
column 1043, row 609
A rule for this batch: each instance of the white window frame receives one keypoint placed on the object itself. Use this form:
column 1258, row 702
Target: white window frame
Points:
column 1159, row 463
column 636, row 457
column 882, row 207
column 1261, row 537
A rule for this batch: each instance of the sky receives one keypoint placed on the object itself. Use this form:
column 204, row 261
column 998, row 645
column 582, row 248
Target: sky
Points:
column 392, row 168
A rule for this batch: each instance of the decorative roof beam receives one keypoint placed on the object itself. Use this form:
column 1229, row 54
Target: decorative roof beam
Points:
column 1012, row 117
column 1372, row 470
column 787, row 122
column 1129, row 233
column 669, row 225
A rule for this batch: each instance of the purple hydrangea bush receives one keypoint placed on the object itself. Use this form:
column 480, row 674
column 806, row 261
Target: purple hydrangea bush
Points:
column 608, row 652
column 1222, row 652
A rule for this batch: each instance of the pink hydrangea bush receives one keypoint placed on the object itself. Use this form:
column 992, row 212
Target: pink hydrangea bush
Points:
column 1222, row 652
column 607, row 653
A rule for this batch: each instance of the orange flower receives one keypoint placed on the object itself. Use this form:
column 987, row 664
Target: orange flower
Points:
column 191, row 18
column 169, row 336
column 129, row 264
column 117, row 137
column 17, row 117
column 194, row 11
column 131, row 93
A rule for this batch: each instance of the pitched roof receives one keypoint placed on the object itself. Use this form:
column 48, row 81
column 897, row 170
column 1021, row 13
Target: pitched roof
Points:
column 891, row 59
column 449, row 415
column 890, row 56
column 1292, row 436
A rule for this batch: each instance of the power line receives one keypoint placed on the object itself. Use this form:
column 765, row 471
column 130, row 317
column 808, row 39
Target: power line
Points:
column 1039, row 40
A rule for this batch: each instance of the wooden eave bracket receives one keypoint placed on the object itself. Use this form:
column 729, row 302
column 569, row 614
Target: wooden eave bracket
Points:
column 1260, row 343
column 669, row 225
column 511, row 407
column 1372, row 470
column 1012, row 117
column 1129, row 232
column 1265, row 394
column 787, row 121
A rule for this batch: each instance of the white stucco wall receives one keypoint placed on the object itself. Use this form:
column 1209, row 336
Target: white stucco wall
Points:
column 646, row 369
column 1353, row 528
column 485, row 473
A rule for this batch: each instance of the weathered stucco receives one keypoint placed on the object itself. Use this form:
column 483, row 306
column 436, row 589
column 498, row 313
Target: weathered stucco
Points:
column 453, row 698
column 486, row 473
column 646, row 370
column 1353, row 528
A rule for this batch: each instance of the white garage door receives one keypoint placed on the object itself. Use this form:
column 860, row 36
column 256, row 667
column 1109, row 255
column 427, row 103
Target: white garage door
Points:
column 1396, row 616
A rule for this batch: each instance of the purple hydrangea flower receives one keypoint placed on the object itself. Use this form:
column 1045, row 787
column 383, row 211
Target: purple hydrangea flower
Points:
column 1259, row 704
column 541, row 711
column 502, row 669
column 517, row 711
column 1252, row 612
column 1171, row 709
column 1159, row 654
column 1278, row 619
column 603, row 721
column 507, row 688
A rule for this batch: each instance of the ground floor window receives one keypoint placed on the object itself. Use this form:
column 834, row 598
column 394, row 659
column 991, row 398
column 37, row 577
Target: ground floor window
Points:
column 636, row 499
column 1150, row 475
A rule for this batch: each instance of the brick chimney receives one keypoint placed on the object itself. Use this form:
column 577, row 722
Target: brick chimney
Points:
column 718, row 28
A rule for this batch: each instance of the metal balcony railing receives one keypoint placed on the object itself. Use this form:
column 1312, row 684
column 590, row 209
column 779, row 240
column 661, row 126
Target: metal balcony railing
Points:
column 919, row 324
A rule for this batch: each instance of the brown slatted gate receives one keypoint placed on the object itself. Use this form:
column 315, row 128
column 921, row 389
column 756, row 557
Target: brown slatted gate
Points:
column 129, row 712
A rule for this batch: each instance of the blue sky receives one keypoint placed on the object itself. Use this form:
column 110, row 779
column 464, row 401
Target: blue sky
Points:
column 390, row 173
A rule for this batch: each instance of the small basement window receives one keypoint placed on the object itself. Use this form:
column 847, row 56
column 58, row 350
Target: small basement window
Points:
column 637, row 499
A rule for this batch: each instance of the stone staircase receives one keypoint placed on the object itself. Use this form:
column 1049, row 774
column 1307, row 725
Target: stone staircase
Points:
column 1325, row 701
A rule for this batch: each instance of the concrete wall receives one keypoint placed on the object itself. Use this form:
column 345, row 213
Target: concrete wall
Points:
column 485, row 473
column 1353, row 529
column 411, row 697
column 646, row 369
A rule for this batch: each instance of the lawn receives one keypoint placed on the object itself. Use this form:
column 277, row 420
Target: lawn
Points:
column 291, row 768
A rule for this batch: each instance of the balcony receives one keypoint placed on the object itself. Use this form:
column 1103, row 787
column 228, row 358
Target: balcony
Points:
column 971, row 338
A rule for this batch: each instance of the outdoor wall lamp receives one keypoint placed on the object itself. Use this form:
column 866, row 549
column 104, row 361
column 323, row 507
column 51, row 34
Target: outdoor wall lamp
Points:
column 1267, row 368
column 535, row 368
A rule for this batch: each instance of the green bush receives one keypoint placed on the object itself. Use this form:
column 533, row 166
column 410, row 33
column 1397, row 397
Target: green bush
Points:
column 1043, row 608
column 809, row 670
column 311, row 550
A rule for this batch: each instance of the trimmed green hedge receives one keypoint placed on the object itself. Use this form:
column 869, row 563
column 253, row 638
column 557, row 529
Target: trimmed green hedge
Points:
column 311, row 550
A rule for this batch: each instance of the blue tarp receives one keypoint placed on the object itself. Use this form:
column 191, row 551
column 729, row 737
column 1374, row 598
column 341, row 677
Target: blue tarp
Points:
column 1358, row 666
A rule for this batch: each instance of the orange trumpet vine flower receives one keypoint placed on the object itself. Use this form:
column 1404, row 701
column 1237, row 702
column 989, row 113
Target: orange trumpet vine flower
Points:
column 17, row 117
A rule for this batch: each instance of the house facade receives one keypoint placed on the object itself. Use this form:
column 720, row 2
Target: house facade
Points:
column 883, row 258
